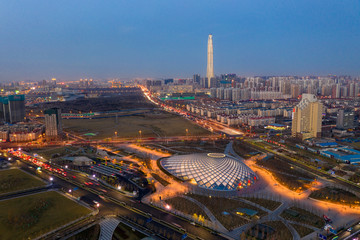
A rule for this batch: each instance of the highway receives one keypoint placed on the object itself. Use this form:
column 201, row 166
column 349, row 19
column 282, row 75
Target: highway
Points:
column 110, row 202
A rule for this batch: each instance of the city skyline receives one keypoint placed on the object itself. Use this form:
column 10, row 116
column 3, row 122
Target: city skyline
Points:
column 72, row 39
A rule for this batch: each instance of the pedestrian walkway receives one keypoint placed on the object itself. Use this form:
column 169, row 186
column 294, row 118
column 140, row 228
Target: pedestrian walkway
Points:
column 229, row 150
column 208, row 213
column 107, row 228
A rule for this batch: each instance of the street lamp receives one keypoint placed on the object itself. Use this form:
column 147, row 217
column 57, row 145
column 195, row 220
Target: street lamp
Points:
column 51, row 178
column 115, row 134
column 119, row 187
column 167, row 207
column 140, row 134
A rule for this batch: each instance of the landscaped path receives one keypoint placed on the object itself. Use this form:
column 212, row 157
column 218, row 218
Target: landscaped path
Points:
column 230, row 151
column 340, row 214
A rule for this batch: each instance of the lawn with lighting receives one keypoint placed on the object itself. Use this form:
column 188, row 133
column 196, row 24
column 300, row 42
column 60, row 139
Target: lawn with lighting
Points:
column 335, row 195
column 224, row 210
column 137, row 126
column 33, row 215
column 287, row 175
column 186, row 206
column 13, row 180
column 266, row 203
column 302, row 216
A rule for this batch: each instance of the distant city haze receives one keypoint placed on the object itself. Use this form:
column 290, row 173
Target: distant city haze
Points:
column 70, row 40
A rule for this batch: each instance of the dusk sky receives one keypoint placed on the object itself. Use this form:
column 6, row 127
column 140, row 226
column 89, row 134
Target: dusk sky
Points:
column 41, row 39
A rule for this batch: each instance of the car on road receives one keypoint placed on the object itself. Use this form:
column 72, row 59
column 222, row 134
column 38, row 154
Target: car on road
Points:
column 96, row 204
column 349, row 229
column 192, row 223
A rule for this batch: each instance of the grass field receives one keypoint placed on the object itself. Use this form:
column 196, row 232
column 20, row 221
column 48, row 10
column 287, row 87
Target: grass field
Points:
column 56, row 152
column 269, row 204
column 335, row 195
column 13, row 180
column 219, row 205
column 287, row 175
column 281, row 231
column 268, row 230
column 302, row 216
column 302, row 231
column 186, row 206
column 150, row 125
column 33, row 215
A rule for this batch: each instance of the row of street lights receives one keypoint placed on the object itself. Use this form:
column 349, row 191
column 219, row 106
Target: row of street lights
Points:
column 140, row 132
column 117, row 133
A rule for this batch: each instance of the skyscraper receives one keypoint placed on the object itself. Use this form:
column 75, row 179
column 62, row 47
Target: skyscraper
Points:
column 210, row 62
column 53, row 126
column 307, row 117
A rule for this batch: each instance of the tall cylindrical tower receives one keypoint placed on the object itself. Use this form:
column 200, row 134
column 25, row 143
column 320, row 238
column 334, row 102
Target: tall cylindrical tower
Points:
column 210, row 63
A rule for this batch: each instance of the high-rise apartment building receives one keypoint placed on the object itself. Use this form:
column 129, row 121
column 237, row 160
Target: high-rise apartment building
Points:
column 16, row 108
column 345, row 119
column 196, row 78
column 210, row 63
column 53, row 125
column 12, row 108
column 307, row 117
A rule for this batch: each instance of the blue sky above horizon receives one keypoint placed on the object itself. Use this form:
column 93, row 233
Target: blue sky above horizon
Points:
column 40, row 39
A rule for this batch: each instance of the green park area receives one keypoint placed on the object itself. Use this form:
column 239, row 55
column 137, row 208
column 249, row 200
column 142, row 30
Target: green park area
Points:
column 186, row 206
column 243, row 149
column 225, row 210
column 302, row 216
column 267, row 230
column 287, row 175
column 266, row 203
column 49, row 153
column 302, row 230
column 150, row 124
column 33, row 215
column 124, row 232
column 336, row 195
column 12, row 180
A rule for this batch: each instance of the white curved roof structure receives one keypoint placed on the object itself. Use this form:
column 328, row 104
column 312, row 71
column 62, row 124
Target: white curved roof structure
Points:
column 214, row 171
